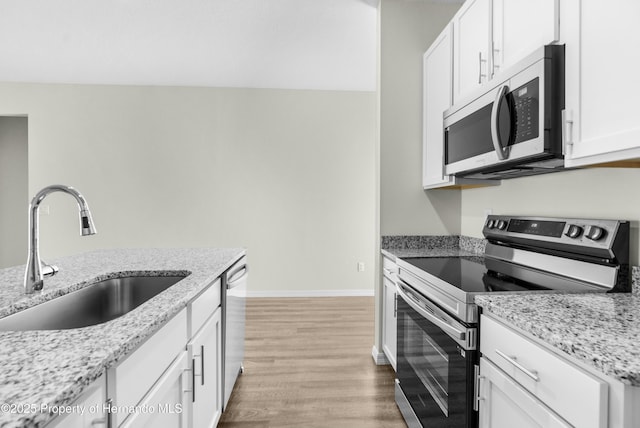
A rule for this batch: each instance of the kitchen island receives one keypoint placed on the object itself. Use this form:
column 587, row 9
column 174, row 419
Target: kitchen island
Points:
column 41, row 370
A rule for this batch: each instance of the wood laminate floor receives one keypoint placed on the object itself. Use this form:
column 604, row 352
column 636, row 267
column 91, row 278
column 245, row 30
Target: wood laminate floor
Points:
column 308, row 364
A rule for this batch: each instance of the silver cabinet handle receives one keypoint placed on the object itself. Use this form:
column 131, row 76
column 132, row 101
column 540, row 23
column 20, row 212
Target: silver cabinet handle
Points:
column 512, row 360
column 567, row 128
column 480, row 74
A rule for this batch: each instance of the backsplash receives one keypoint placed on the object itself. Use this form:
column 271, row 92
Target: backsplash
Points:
column 441, row 242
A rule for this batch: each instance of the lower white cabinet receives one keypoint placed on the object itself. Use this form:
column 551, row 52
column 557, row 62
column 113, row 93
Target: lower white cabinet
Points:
column 389, row 309
column 205, row 350
column 166, row 405
column 93, row 405
column 522, row 379
column 506, row 404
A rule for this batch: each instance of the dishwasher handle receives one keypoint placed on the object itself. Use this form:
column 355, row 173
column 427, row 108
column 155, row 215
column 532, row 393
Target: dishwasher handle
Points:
column 235, row 278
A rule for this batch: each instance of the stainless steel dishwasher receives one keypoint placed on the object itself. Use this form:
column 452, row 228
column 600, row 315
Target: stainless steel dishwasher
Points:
column 234, row 293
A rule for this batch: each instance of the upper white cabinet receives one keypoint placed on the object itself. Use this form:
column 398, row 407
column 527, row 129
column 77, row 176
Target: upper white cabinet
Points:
column 602, row 111
column 472, row 35
column 521, row 26
column 491, row 35
column 437, row 97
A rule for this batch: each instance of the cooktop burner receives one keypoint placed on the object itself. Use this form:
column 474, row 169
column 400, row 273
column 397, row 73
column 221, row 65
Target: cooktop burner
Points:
column 470, row 274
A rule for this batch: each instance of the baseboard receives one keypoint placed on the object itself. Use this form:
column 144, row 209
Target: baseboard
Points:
column 311, row 293
column 379, row 357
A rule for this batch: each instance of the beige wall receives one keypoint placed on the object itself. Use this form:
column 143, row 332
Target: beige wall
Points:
column 288, row 174
column 589, row 193
column 407, row 30
column 13, row 191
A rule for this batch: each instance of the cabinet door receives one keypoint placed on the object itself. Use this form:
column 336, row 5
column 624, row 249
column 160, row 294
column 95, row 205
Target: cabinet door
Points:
column 166, row 405
column 92, row 401
column 521, row 26
column 602, row 62
column 389, row 326
column 505, row 404
column 205, row 351
column 437, row 97
column 471, row 51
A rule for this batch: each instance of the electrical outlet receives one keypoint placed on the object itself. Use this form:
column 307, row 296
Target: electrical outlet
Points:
column 360, row 266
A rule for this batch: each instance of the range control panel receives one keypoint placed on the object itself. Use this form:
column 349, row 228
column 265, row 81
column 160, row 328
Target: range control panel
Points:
column 582, row 232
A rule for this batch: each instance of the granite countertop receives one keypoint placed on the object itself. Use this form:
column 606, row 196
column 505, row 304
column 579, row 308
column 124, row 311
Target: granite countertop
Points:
column 600, row 330
column 51, row 368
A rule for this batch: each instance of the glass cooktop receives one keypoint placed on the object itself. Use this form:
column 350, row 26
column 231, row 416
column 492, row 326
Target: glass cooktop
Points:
column 470, row 274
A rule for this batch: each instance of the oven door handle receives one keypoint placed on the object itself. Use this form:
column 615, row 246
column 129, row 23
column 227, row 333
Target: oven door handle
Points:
column 417, row 305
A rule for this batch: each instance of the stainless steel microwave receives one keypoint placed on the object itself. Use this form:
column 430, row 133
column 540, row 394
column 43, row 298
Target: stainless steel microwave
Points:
column 514, row 127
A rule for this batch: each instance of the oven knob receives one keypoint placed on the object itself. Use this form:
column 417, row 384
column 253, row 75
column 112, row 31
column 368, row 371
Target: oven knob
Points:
column 502, row 225
column 574, row 231
column 595, row 233
column 490, row 224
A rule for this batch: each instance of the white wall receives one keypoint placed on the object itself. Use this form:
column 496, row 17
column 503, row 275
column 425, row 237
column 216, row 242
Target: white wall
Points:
column 13, row 191
column 589, row 193
column 288, row 174
column 407, row 30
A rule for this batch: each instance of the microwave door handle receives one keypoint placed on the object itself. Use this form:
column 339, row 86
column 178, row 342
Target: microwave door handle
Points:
column 501, row 150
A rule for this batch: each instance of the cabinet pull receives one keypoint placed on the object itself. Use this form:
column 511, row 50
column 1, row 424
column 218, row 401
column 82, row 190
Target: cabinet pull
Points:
column 480, row 61
column 201, row 364
column 193, row 380
column 512, row 360
column 395, row 305
column 494, row 65
column 567, row 129
column 201, row 356
column 107, row 421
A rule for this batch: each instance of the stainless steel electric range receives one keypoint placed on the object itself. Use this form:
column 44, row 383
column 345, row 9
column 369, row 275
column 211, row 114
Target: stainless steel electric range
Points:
column 437, row 338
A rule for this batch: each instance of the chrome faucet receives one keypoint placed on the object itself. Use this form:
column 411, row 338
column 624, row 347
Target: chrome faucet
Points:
column 36, row 268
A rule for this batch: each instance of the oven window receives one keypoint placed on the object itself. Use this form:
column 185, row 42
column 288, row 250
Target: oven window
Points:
column 434, row 372
column 430, row 362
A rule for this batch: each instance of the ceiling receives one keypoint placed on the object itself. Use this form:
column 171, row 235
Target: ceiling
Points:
column 298, row 44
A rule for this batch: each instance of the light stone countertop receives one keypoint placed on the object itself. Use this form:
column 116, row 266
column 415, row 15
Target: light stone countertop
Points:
column 600, row 330
column 52, row 368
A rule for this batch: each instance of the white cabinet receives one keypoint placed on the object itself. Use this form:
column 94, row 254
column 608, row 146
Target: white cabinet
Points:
column 519, row 27
column 528, row 382
column 93, row 405
column 166, row 405
column 505, row 404
column 389, row 309
column 205, row 350
column 471, row 46
column 436, row 98
column 602, row 61
column 491, row 35
column 133, row 379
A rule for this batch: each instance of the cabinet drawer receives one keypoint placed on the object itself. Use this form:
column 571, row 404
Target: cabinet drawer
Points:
column 575, row 395
column 389, row 268
column 137, row 374
column 205, row 305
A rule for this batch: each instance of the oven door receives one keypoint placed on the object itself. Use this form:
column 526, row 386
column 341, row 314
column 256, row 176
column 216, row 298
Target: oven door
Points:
column 436, row 364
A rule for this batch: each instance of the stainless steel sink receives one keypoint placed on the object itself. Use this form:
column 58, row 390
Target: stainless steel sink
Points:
column 94, row 304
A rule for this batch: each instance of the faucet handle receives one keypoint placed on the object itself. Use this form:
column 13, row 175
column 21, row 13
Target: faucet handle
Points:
column 48, row 270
